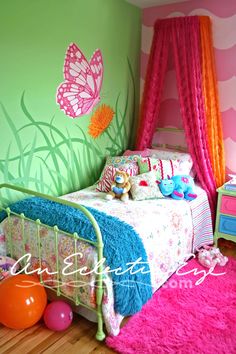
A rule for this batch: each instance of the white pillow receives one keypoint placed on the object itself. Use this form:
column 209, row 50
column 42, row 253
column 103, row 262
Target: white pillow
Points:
column 184, row 159
column 145, row 186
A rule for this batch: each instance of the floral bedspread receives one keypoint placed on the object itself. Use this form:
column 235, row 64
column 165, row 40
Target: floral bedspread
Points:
column 164, row 225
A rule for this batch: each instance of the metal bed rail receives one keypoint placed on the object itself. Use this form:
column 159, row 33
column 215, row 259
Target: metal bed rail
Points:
column 100, row 335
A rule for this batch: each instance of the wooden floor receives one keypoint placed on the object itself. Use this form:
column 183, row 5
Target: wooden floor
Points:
column 79, row 338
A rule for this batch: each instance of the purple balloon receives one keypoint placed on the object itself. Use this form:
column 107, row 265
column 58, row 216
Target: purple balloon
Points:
column 58, row 316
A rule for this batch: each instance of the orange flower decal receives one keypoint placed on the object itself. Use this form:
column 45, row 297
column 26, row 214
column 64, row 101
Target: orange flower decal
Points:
column 100, row 120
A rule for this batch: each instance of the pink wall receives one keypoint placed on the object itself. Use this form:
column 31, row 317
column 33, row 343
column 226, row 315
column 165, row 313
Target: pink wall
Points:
column 223, row 15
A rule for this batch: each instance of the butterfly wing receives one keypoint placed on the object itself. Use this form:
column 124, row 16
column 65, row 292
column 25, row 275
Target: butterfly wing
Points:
column 96, row 65
column 77, row 70
column 74, row 100
column 78, row 94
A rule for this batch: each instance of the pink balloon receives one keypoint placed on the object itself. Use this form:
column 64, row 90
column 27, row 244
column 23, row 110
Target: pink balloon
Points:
column 58, row 316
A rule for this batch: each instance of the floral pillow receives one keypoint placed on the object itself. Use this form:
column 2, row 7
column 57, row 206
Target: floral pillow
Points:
column 108, row 173
column 164, row 168
column 184, row 159
column 116, row 161
column 145, row 186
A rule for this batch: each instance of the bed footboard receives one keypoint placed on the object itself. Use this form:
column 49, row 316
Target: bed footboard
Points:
column 100, row 335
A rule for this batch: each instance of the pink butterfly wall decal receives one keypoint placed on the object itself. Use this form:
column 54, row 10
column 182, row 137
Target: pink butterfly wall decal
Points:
column 80, row 91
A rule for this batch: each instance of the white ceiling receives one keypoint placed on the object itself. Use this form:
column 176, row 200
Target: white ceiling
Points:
column 149, row 3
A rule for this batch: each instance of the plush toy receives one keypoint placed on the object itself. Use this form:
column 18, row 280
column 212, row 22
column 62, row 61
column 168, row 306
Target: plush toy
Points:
column 211, row 256
column 6, row 263
column 120, row 187
column 178, row 187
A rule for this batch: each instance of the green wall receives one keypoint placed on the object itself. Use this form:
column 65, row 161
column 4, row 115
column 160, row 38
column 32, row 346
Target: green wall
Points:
column 40, row 147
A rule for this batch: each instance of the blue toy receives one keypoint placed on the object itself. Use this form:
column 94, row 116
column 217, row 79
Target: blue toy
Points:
column 178, row 187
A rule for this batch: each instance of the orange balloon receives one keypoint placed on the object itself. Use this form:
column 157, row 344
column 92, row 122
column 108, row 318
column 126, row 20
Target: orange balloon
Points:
column 22, row 300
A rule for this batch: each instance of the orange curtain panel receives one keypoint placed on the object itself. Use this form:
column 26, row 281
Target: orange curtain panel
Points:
column 210, row 93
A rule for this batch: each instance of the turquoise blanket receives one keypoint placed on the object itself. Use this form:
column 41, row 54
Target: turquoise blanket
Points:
column 122, row 245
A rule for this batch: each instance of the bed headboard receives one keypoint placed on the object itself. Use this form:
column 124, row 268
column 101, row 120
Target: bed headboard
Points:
column 170, row 134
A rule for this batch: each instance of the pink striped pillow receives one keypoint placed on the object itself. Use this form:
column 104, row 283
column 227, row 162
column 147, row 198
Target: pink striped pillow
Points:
column 164, row 168
column 107, row 177
column 184, row 159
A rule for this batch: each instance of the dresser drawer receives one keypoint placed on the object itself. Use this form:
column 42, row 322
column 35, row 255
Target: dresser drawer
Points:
column 228, row 205
column 227, row 225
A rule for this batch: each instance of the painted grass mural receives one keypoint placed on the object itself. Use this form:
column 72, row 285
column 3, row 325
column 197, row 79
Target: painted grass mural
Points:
column 61, row 163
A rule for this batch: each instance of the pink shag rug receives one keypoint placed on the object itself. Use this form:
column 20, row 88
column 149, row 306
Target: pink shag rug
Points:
column 185, row 318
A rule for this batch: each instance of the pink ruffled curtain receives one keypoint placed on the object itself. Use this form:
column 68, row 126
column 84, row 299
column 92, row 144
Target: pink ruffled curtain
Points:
column 153, row 87
column 183, row 34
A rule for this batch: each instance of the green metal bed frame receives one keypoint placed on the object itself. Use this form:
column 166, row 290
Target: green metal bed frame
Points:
column 100, row 335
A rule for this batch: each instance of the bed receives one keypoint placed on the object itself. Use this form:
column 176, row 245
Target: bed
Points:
column 170, row 231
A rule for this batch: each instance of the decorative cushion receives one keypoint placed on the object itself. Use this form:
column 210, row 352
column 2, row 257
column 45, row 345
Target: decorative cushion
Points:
column 116, row 161
column 108, row 173
column 164, row 168
column 184, row 159
column 145, row 186
column 143, row 153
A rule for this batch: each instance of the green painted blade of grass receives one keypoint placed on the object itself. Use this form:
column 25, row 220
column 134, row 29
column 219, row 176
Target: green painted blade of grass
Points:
column 132, row 122
column 122, row 127
column 76, row 140
column 7, row 173
column 20, row 181
column 37, row 185
column 125, row 132
column 112, row 151
column 90, row 163
column 51, row 130
column 58, row 187
column 7, row 176
column 48, row 143
column 4, row 202
column 113, row 140
column 64, row 138
column 39, row 182
column 17, row 139
column 5, row 167
column 96, row 147
column 74, row 166
column 88, row 155
column 30, row 160
column 118, row 131
column 97, row 160
column 121, row 130
column 26, row 153
column 41, row 179
column 82, row 176
column 69, row 172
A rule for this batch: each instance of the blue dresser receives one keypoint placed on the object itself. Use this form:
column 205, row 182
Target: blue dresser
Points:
column 226, row 215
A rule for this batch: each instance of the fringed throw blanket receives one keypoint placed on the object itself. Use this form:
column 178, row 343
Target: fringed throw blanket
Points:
column 122, row 247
